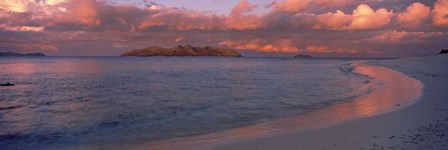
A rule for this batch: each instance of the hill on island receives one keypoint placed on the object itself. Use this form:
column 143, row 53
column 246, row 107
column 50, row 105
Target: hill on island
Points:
column 302, row 56
column 19, row 54
column 187, row 50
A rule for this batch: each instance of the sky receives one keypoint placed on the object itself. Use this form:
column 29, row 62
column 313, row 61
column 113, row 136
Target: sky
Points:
column 261, row 28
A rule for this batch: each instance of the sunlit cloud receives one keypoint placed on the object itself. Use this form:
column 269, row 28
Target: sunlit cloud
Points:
column 283, row 26
column 365, row 17
column 180, row 39
column 22, row 28
column 405, row 36
column 15, row 5
column 332, row 2
column 326, row 49
column 280, row 45
column 332, row 21
column 440, row 13
column 84, row 12
column 414, row 15
column 291, row 6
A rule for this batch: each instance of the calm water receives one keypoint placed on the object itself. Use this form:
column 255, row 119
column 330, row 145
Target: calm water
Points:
column 69, row 101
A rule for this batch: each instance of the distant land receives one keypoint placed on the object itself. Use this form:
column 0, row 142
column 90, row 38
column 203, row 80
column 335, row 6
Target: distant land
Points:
column 443, row 51
column 180, row 50
column 19, row 54
column 302, row 56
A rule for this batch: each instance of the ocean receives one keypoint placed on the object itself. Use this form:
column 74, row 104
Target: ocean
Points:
column 63, row 102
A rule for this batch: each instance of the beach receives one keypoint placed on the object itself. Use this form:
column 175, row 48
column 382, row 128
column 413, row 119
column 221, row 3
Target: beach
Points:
column 423, row 125
column 382, row 104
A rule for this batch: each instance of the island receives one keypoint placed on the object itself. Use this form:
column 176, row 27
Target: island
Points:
column 180, row 50
column 444, row 51
column 302, row 56
column 19, row 54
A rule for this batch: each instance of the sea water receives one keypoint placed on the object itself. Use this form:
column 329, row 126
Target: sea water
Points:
column 63, row 102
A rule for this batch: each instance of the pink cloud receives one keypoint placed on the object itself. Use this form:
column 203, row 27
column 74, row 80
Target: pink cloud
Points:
column 333, row 21
column 395, row 36
column 19, row 6
column 280, row 45
column 327, row 49
column 332, row 2
column 38, row 46
column 177, row 19
column 180, row 39
column 24, row 46
column 240, row 20
column 440, row 13
column 84, row 12
column 291, row 26
column 291, row 6
column 52, row 2
column 22, row 28
column 242, row 7
column 365, row 17
column 414, row 15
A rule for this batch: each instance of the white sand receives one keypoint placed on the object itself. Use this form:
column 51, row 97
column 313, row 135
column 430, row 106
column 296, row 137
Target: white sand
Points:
column 421, row 126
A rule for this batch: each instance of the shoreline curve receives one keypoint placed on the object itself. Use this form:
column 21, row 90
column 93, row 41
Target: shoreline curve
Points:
column 393, row 95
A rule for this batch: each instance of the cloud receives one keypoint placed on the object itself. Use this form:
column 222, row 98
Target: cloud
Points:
column 395, row 36
column 20, row 46
column 15, row 5
column 181, row 19
column 38, row 46
column 283, row 26
column 21, row 6
column 22, row 28
column 177, row 19
column 362, row 18
column 180, row 39
column 332, row 2
column 52, row 2
column 50, row 12
column 94, row 15
column 440, row 13
column 414, row 15
column 83, row 12
column 270, row 4
column 240, row 20
column 242, row 7
column 327, row 49
column 291, row 6
column 333, row 21
column 391, row 36
column 365, row 17
column 262, row 45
